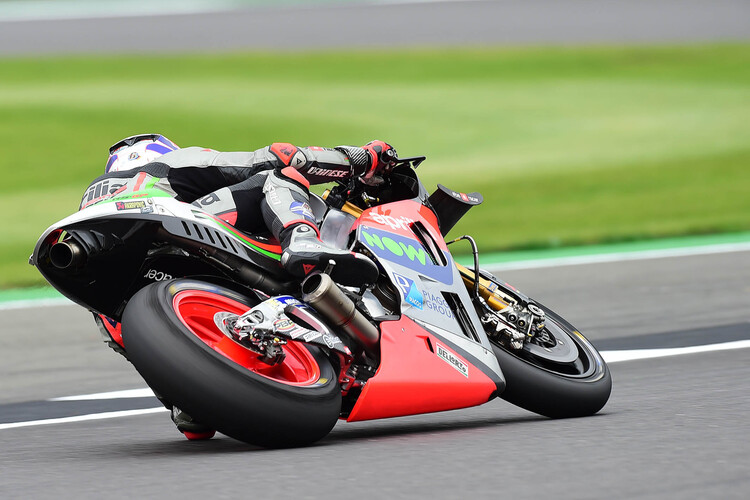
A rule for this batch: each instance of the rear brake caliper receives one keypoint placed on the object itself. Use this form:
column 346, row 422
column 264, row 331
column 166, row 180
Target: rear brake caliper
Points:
column 267, row 327
column 257, row 332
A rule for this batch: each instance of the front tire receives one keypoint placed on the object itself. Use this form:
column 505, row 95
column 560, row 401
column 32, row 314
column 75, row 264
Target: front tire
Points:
column 171, row 338
column 557, row 390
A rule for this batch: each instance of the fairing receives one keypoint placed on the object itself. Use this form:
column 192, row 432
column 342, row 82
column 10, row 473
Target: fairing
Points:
column 133, row 236
column 434, row 357
column 421, row 373
column 414, row 375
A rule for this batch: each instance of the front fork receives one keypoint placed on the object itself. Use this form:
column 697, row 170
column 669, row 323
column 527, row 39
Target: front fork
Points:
column 508, row 315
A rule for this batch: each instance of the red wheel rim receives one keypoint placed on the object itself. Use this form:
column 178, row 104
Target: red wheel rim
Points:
column 196, row 310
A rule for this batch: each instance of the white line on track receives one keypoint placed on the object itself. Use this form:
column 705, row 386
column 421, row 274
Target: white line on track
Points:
column 636, row 354
column 83, row 418
column 29, row 303
column 609, row 356
column 130, row 393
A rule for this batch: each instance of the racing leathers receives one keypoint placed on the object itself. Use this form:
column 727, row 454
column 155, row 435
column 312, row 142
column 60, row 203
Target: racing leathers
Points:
column 266, row 188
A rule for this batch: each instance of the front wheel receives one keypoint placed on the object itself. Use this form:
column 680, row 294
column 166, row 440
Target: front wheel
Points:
column 171, row 336
column 562, row 377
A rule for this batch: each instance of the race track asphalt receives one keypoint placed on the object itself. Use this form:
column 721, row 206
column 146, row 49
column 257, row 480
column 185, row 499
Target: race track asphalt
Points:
column 419, row 23
column 675, row 427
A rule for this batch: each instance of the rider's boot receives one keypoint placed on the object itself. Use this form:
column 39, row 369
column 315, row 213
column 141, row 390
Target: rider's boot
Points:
column 185, row 424
column 192, row 430
column 286, row 211
column 304, row 252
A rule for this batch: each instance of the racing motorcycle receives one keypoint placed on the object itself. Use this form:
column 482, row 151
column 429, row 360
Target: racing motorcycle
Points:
column 216, row 327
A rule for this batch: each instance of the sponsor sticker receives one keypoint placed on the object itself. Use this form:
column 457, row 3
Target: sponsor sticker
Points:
column 283, row 325
column 409, row 290
column 327, row 172
column 437, row 303
column 157, row 275
column 298, row 160
column 466, row 198
column 287, row 300
column 407, row 252
column 452, row 360
column 395, row 223
column 130, row 205
column 306, row 268
column 330, row 340
column 311, row 336
column 272, row 197
column 297, row 332
column 303, row 210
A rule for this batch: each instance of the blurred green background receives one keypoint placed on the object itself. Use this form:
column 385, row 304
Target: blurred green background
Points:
column 568, row 146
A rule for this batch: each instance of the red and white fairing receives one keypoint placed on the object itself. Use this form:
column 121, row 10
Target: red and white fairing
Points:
column 430, row 359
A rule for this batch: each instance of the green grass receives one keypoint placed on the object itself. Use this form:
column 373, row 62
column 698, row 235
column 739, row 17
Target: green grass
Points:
column 568, row 145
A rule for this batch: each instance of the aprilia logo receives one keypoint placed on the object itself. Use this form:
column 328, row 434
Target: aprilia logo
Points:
column 393, row 222
column 101, row 190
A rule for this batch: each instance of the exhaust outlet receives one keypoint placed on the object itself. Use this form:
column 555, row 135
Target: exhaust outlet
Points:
column 66, row 254
column 321, row 292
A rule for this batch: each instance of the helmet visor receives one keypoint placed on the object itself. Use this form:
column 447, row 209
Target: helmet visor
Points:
column 133, row 139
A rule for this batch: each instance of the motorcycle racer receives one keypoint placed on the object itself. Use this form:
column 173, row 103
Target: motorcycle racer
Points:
column 263, row 189
column 278, row 363
column 266, row 188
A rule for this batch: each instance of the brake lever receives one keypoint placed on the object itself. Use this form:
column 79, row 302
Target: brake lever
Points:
column 369, row 200
column 342, row 193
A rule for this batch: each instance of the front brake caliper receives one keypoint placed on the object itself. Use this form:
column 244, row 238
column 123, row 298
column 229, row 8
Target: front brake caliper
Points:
column 499, row 329
column 515, row 324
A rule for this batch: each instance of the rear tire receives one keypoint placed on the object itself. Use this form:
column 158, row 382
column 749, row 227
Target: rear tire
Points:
column 171, row 339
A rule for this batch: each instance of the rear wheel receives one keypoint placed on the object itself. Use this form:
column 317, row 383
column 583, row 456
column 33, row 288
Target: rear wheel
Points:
column 171, row 337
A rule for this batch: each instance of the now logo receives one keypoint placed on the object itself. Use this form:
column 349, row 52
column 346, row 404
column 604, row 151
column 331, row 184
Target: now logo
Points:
column 406, row 252
column 397, row 248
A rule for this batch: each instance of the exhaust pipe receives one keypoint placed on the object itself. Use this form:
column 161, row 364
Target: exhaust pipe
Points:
column 322, row 293
column 66, row 254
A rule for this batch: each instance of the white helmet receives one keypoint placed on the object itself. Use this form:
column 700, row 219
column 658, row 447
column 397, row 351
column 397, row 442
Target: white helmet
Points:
column 137, row 150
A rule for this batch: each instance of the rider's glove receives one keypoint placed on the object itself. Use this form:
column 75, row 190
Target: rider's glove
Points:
column 370, row 161
column 382, row 158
